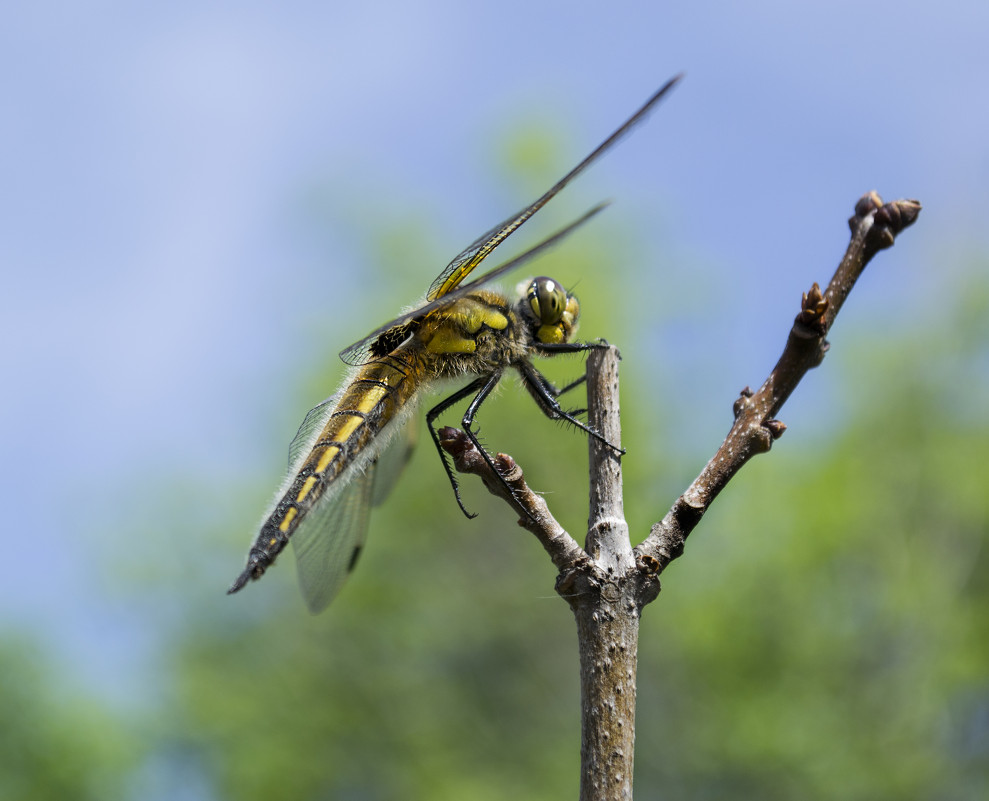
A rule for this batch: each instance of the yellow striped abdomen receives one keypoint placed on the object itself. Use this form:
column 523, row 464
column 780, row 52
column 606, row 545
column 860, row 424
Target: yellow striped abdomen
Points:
column 376, row 395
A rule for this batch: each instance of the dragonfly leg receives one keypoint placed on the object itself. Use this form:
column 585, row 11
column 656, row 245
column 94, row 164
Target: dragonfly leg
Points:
column 545, row 395
column 553, row 348
column 556, row 393
column 473, row 388
column 468, row 422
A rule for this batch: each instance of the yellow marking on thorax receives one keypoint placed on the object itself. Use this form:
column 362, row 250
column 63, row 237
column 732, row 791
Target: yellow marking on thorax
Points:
column 289, row 517
column 495, row 319
column 453, row 332
column 449, row 340
column 471, row 314
column 326, row 458
column 310, row 483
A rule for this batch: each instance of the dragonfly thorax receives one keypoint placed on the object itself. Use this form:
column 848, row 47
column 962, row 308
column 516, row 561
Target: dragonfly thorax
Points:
column 551, row 311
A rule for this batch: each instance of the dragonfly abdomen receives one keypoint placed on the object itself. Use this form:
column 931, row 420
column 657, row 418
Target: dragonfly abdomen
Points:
column 350, row 438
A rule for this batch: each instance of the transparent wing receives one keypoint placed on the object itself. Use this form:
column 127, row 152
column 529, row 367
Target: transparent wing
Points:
column 330, row 538
column 476, row 252
column 311, row 425
column 392, row 461
column 444, row 288
column 363, row 351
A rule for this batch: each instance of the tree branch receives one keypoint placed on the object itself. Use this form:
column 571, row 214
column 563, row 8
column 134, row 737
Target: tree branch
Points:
column 874, row 227
column 607, row 532
column 595, row 583
column 606, row 603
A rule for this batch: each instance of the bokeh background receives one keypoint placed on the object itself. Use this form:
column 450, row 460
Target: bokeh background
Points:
column 202, row 204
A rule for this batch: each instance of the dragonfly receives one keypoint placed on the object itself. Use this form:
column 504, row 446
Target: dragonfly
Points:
column 350, row 448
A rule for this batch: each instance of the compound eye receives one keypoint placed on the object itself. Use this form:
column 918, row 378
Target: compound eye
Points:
column 547, row 299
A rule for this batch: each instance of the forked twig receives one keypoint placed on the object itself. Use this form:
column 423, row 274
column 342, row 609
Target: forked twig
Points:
column 608, row 584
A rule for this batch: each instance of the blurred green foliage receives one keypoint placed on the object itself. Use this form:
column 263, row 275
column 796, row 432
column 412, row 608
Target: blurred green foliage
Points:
column 52, row 745
column 826, row 635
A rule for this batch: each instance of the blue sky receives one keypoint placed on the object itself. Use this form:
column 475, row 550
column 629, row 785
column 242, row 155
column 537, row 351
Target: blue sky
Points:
column 165, row 168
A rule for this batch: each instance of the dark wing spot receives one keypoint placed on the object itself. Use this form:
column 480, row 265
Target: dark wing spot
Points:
column 394, row 337
column 353, row 558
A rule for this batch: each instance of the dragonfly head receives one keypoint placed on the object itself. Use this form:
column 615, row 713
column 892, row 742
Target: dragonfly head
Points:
column 551, row 310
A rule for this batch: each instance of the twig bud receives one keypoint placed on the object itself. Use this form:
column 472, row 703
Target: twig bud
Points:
column 865, row 205
column 775, row 427
column 813, row 305
column 898, row 215
column 741, row 401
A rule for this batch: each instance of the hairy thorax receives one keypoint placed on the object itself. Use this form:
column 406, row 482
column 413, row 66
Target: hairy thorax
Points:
column 479, row 333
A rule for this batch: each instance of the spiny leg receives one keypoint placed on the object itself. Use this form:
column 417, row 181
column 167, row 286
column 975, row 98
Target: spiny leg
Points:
column 575, row 383
column 473, row 388
column 467, row 423
column 555, row 392
column 553, row 348
column 543, row 392
column 552, row 389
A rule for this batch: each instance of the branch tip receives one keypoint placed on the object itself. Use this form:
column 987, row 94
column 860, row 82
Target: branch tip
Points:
column 887, row 219
column 468, row 459
column 453, row 441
